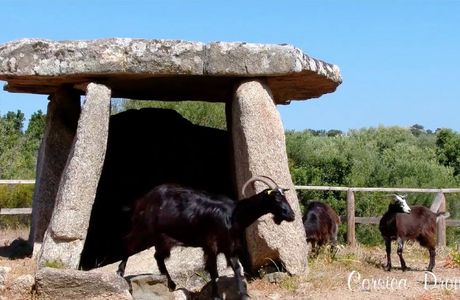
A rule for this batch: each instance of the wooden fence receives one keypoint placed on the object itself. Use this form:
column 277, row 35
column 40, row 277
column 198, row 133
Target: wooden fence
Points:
column 439, row 204
column 16, row 211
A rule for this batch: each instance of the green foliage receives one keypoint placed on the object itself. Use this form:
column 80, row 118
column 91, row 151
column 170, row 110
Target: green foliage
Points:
column 56, row 264
column 199, row 113
column 448, row 149
column 18, row 149
column 15, row 196
column 368, row 234
column 18, row 155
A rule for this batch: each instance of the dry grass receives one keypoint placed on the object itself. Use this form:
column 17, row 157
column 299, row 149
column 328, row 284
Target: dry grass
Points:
column 328, row 277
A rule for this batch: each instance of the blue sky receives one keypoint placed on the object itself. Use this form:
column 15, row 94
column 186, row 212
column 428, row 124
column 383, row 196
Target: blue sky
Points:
column 400, row 60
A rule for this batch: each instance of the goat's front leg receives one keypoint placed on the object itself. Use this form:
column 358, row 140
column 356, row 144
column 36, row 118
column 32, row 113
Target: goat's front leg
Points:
column 314, row 248
column 211, row 267
column 400, row 251
column 234, row 263
column 122, row 267
column 388, row 250
column 334, row 244
column 432, row 258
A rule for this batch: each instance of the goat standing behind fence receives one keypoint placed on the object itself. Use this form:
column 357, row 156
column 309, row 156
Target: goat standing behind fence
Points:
column 321, row 225
column 402, row 223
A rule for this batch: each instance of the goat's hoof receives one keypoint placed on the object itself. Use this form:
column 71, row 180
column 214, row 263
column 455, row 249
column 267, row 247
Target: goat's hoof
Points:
column 387, row 268
column 171, row 286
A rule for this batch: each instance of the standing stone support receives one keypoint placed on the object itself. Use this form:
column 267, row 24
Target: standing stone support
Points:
column 260, row 149
column 61, row 125
column 65, row 236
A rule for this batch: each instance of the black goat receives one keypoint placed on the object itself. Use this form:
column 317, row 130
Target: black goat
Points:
column 321, row 225
column 402, row 223
column 172, row 215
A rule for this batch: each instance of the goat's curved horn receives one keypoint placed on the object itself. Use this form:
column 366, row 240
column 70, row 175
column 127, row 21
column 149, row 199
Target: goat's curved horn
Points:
column 265, row 179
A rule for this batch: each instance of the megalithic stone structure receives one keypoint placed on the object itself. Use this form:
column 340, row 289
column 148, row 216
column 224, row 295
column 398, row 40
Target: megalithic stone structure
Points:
column 250, row 78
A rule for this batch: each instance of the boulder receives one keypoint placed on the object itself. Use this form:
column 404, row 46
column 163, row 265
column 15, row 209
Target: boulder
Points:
column 59, row 284
column 147, row 287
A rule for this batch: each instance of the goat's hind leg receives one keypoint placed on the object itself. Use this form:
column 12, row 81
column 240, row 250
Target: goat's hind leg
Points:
column 400, row 251
column 430, row 245
column 211, row 267
column 163, row 251
column 122, row 267
column 333, row 241
column 432, row 258
column 314, row 248
column 388, row 251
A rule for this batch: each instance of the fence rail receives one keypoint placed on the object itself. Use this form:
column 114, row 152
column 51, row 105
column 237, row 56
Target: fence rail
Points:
column 16, row 211
column 16, row 181
column 439, row 204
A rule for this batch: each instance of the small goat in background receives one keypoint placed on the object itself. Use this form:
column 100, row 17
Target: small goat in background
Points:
column 402, row 223
column 321, row 224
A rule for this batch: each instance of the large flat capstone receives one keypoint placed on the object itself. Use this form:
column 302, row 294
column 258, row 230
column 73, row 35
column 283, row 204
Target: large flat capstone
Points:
column 164, row 69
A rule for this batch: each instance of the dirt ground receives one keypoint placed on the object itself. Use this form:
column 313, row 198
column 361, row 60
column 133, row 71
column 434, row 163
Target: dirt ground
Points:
column 355, row 273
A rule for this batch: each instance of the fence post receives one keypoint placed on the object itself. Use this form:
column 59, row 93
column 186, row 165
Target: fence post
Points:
column 441, row 224
column 351, row 239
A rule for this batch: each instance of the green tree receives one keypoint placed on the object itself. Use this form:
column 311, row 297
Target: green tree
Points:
column 448, row 149
column 11, row 142
column 18, row 149
column 199, row 113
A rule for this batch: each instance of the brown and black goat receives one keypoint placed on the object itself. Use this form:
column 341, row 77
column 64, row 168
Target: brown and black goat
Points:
column 402, row 223
column 172, row 215
column 321, row 225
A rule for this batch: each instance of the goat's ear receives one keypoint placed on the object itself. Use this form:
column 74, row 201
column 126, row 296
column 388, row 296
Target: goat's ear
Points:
column 269, row 192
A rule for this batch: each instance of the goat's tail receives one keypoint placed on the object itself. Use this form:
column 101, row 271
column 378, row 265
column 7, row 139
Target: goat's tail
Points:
column 444, row 215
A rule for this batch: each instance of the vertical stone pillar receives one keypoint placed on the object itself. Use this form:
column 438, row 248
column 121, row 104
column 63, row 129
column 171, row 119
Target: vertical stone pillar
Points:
column 260, row 149
column 65, row 236
column 61, row 125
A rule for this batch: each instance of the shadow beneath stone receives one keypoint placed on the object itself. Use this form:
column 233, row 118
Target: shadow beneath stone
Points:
column 18, row 249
